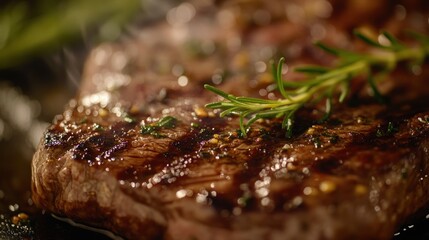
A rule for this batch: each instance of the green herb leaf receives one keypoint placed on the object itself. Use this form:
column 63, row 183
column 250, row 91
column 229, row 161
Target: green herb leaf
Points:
column 369, row 40
column 375, row 90
column 154, row 129
column 395, row 44
column 311, row 69
column 167, row 122
column 322, row 83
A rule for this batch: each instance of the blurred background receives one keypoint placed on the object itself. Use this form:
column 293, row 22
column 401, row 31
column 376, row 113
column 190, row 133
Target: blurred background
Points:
column 43, row 46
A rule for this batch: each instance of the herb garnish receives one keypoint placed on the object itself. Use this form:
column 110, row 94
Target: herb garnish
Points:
column 167, row 122
column 153, row 128
column 390, row 129
column 322, row 82
column 97, row 127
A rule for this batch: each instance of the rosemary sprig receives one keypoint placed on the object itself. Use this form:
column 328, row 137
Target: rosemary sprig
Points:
column 322, row 83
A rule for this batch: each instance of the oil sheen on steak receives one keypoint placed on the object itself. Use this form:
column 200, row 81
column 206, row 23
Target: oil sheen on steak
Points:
column 107, row 162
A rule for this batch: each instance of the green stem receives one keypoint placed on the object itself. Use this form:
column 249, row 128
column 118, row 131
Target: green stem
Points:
column 297, row 94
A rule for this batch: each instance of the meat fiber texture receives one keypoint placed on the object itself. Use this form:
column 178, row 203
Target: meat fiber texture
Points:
column 107, row 162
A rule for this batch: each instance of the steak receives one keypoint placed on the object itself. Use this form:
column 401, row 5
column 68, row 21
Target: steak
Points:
column 138, row 154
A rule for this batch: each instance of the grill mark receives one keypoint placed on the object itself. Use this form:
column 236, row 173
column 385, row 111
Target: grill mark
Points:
column 243, row 182
column 369, row 143
column 181, row 152
column 104, row 145
column 333, row 164
column 187, row 148
column 56, row 137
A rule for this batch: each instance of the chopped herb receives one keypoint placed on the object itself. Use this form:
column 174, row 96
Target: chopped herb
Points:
column 316, row 141
column 129, row 119
column 167, row 122
column 158, row 135
column 97, row 127
column 332, row 138
column 222, row 155
column 379, row 133
column 154, row 128
column 244, row 200
column 391, row 129
column 148, row 129
column 195, row 125
column 204, row 154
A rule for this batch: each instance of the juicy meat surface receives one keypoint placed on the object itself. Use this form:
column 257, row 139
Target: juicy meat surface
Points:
column 108, row 162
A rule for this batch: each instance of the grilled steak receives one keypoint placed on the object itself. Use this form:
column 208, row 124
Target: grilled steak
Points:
column 138, row 154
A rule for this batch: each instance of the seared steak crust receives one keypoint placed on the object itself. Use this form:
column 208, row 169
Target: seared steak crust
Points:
column 107, row 162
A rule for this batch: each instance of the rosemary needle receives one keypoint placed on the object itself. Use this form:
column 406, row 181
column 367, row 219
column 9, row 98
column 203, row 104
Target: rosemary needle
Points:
column 322, row 83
